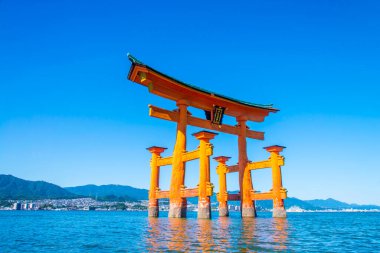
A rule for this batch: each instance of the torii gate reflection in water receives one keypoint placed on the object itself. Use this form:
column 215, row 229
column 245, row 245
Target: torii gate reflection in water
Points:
column 215, row 106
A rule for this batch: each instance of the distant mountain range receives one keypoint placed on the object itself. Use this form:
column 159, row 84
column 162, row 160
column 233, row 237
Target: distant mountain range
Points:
column 18, row 189
column 110, row 192
column 15, row 188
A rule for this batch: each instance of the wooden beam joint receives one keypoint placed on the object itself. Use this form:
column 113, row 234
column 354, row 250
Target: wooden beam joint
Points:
column 198, row 122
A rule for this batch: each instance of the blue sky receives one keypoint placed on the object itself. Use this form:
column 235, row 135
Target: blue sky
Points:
column 68, row 114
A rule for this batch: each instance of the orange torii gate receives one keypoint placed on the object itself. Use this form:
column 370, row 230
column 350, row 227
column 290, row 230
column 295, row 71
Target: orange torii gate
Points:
column 215, row 106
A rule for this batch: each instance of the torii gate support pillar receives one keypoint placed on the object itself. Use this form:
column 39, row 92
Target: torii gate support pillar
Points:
column 278, row 203
column 204, row 205
column 154, row 180
column 221, row 170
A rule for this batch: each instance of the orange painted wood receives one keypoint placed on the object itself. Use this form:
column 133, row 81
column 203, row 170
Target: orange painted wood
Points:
column 171, row 89
column 222, row 197
column 188, row 156
column 267, row 195
column 245, row 181
column 162, row 194
column 178, row 166
column 276, row 179
column 265, row 164
column 191, row 192
column 160, row 113
column 165, row 161
column 155, row 174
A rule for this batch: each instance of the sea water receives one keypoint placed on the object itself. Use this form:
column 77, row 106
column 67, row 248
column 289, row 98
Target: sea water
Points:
column 96, row 231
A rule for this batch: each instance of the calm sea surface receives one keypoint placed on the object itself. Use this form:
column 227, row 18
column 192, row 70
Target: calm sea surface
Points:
column 84, row 231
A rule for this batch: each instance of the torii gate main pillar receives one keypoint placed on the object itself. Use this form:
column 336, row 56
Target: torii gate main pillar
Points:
column 247, row 205
column 178, row 205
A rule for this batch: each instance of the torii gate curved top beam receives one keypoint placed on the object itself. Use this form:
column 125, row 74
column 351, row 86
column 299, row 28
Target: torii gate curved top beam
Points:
column 170, row 88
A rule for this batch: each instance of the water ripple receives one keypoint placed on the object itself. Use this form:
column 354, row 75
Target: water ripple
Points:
column 134, row 232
